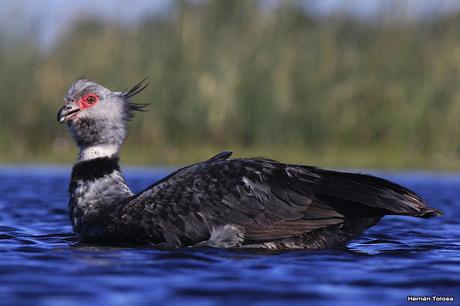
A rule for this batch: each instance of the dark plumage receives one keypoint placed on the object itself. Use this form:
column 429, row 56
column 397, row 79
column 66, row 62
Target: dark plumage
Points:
column 93, row 169
column 223, row 202
column 131, row 107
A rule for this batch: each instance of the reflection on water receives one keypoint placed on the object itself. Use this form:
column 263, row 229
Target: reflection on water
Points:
column 42, row 264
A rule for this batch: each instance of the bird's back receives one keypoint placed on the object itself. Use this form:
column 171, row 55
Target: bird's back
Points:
column 264, row 203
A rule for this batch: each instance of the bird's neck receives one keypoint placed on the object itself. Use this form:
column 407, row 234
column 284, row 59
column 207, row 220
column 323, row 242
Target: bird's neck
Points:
column 98, row 151
column 96, row 186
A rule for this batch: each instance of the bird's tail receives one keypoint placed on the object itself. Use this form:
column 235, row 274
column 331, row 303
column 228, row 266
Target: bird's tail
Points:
column 372, row 194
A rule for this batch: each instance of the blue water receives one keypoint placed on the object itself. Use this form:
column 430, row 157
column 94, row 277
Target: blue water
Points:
column 42, row 264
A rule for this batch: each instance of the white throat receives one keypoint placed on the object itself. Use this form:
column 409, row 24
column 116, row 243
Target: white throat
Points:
column 97, row 152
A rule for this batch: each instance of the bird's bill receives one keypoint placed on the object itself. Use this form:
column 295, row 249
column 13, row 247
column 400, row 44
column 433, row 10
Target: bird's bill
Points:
column 67, row 112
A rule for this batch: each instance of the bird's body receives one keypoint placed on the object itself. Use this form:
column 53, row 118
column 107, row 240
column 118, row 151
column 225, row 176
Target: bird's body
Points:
column 221, row 202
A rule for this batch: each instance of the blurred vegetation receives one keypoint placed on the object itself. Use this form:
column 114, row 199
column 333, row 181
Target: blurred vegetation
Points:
column 228, row 75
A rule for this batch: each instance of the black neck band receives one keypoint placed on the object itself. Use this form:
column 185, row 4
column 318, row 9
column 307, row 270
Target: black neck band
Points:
column 93, row 169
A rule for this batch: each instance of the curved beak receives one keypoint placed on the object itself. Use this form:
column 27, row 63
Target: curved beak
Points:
column 67, row 112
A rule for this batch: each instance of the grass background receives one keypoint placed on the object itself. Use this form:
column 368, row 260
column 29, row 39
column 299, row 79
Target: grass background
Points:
column 227, row 75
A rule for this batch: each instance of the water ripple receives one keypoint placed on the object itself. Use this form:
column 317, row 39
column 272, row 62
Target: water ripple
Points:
column 42, row 263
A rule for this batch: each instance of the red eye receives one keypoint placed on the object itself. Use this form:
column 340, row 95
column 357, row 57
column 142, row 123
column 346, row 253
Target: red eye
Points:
column 91, row 99
column 88, row 100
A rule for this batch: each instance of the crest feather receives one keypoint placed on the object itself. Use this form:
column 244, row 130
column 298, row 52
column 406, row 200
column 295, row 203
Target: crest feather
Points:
column 128, row 94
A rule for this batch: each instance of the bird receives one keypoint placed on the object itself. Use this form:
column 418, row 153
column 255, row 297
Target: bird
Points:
column 222, row 202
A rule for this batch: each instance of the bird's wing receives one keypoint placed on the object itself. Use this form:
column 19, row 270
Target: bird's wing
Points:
column 266, row 199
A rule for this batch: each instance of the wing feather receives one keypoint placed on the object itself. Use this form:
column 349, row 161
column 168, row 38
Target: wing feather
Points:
column 266, row 199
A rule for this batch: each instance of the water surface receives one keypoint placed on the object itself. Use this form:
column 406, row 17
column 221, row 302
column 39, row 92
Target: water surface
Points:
column 42, row 264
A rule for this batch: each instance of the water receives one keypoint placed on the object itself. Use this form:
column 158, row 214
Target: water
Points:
column 41, row 263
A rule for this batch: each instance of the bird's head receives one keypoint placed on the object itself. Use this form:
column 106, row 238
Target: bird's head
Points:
column 97, row 116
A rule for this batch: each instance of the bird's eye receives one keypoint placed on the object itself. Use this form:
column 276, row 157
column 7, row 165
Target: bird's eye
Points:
column 91, row 99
